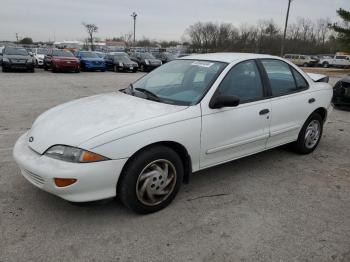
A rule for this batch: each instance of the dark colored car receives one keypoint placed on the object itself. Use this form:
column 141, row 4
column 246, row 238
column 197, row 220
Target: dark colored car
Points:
column 146, row 61
column 90, row 61
column 61, row 60
column 15, row 58
column 165, row 57
column 120, row 62
column 341, row 92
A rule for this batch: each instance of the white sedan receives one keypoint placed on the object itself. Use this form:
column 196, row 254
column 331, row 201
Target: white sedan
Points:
column 142, row 142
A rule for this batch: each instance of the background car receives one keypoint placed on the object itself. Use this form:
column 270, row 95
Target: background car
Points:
column 145, row 61
column 16, row 58
column 335, row 61
column 301, row 60
column 164, row 56
column 341, row 92
column 120, row 61
column 39, row 55
column 61, row 60
column 90, row 61
column 1, row 50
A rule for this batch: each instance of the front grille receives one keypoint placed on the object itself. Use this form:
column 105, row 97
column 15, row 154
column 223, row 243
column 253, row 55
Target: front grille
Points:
column 18, row 61
column 34, row 178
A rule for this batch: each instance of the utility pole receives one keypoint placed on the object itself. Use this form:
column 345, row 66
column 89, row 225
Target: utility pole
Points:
column 134, row 15
column 285, row 28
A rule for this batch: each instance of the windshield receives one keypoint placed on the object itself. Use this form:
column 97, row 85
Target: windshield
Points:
column 100, row 55
column 62, row 53
column 147, row 56
column 122, row 58
column 41, row 51
column 88, row 55
column 181, row 82
column 16, row 51
column 169, row 56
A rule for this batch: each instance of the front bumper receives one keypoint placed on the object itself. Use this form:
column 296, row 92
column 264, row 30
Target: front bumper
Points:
column 67, row 66
column 93, row 66
column 39, row 62
column 18, row 66
column 95, row 181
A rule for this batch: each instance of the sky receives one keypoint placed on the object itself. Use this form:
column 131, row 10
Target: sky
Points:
column 44, row 20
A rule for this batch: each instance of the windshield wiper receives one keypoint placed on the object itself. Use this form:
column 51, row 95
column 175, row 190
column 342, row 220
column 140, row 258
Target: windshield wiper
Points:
column 150, row 95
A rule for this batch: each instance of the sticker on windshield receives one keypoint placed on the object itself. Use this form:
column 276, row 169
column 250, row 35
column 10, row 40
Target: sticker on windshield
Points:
column 202, row 63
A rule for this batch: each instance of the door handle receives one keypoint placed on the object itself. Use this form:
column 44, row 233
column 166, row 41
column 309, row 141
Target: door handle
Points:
column 264, row 112
column 311, row 100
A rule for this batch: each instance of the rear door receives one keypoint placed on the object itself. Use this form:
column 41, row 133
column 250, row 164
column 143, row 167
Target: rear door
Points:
column 290, row 101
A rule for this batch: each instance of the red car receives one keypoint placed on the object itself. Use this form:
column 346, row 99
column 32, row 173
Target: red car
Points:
column 61, row 60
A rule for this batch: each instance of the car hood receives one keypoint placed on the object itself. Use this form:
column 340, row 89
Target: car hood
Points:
column 17, row 56
column 91, row 59
column 77, row 121
column 40, row 56
column 64, row 58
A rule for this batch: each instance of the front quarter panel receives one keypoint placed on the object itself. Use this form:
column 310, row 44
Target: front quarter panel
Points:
column 183, row 127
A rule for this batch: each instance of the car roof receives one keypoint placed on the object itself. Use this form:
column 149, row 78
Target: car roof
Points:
column 227, row 57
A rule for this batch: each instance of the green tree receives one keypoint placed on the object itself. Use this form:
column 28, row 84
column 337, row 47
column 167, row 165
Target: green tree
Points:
column 26, row 41
column 343, row 30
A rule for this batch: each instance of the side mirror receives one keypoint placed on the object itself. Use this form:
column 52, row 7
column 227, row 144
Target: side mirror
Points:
column 220, row 101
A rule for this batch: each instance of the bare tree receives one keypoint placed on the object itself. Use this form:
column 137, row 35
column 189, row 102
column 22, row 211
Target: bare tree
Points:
column 91, row 29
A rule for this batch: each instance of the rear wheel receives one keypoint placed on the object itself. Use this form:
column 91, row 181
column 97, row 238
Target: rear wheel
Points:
column 305, row 65
column 310, row 135
column 325, row 65
column 151, row 180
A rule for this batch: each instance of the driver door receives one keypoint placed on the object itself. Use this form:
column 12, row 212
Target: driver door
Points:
column 233, row 132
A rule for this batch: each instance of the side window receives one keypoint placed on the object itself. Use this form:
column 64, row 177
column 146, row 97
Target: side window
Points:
column 302, row 57
column 300, row 80
column 243, row 81
column 287, row 56
column 280, row 77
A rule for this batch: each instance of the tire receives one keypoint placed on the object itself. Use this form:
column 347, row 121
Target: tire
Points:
column 304, row 146
column 77, row 70
column 4, row 70
column 305, row 65
column 45, row 67
column 149, row 161
column 325, row 64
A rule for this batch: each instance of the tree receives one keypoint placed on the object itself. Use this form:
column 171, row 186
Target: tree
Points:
column 91, row 29
column 26, row 41
column 343, row 31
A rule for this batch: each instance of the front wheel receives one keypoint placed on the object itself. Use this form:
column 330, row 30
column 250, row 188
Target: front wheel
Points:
column 151, row 180
column 325, row 65
column 305, row 65
column 310, row 135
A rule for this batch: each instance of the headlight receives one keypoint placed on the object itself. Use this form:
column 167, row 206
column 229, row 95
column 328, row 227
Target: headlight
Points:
column 146, row 62
column 73, row 154
column 5, row 59
column 120, row 64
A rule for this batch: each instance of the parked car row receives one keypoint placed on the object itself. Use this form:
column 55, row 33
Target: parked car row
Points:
column 58, row 60
column 320, row 60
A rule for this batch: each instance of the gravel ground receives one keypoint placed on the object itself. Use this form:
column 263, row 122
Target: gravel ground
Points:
column 273, row 206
